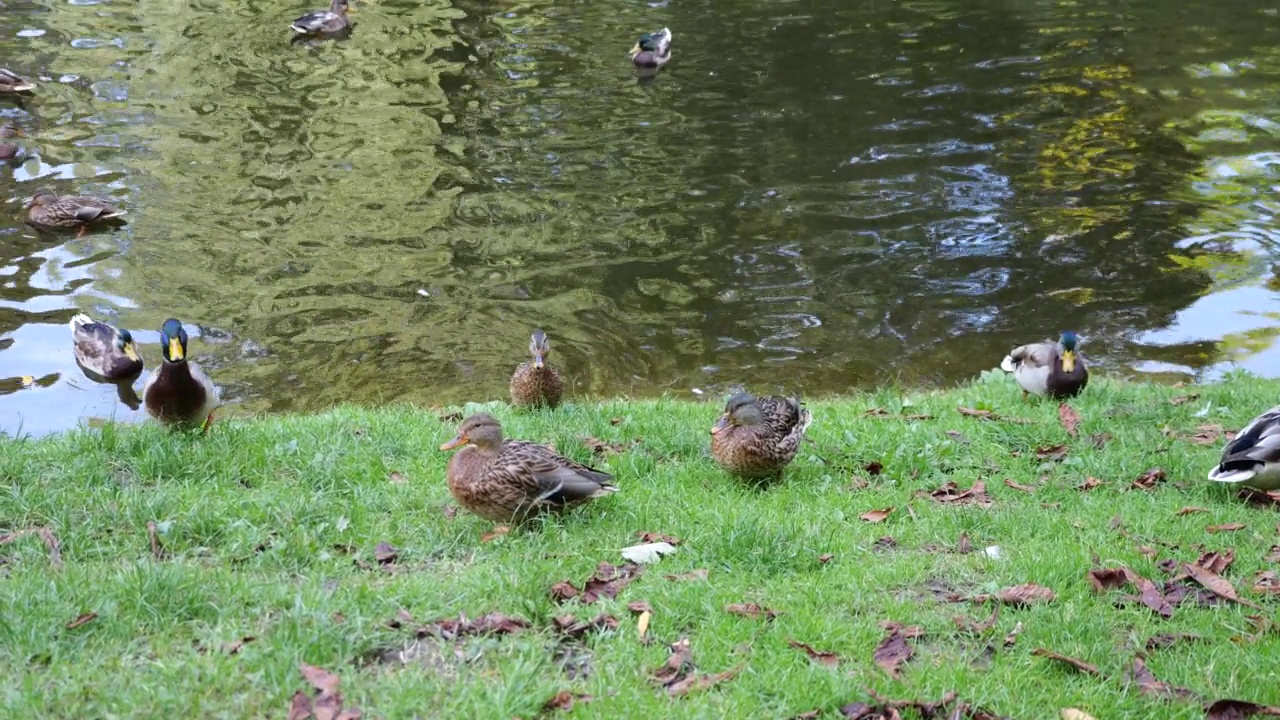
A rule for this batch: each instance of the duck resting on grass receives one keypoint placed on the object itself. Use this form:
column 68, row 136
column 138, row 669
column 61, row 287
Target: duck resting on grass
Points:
column 756, row 438
column 511, row 481
column 49, row 211
column 324, row 22
column 1252, row 460
column 1049, row 368
column 652, row 50
column 535, row 384
column 178, row 393
column 11, row 82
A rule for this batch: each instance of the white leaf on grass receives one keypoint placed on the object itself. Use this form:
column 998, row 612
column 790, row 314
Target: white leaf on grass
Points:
column 646, row 553
column 1205, row 410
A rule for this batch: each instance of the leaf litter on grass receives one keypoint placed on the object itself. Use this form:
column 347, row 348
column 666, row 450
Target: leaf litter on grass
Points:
column 822, row 657
column 1237, row 710
column 949, row 707
column 326, row 703
column 678, row 674
column 894, row 650
column 1069, row 418
column 607, row 581
column 950, row 494
column 564, row 701
column 751, row 610
column 1074, row 663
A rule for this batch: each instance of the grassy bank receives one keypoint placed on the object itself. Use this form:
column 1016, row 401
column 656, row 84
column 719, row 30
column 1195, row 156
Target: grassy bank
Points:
column 269, row 529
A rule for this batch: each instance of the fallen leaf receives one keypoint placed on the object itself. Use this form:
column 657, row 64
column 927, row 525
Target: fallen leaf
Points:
column 1074, row 663
column 1053, row 452
column 653, row 537
column 877, row 412
column 642, row 625
column 402, row 619
column 964, row 546
column 1074, row 714
column 608, row 581
column 1168, row 640
column 1023, row 595
column 894, row 650
column 811, row 715
column 882, row 544
column 751, row 610
column 575, row 628
column 496, row 533
column 1228, row 527
column 639, row 606
column 1206, row 435
column 825, row 558
column 700, row 682
column 875, row 516
column 981, row 414
column 1189, row 509
column 385, row 554
column 1069, row 418
column 299, row 707
column 1012, row 637
column 1089, row 484
column 449, row 511
column 1149, row 685
column 1018, row 486
column 1149, row 479
column 821, row 657
column 958, row 436
column 84, row 619
column 1100, row 440
column 950, row 494
column 917, row 416
column 327, row 704
column 615, row 421
column 1180, row 399
column 396, row 477
column 563, row 590
column 1216, row 561
column 1217, row 584
column 153, row 535
column 679, row 663
column 1103, row 579
column 1258, row 497
column 1237, row 710
column 978, row 627
column 462, row 626
column 874, row 467
column 565, row 700
column 600, row 447
column 699, row 574
column 1150, row 596
column 321, row 679
column 649, row 552
column 1266, row 582
column 236, row 646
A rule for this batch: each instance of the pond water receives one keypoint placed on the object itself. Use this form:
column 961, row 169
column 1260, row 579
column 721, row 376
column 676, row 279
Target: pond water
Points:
column 813, row 196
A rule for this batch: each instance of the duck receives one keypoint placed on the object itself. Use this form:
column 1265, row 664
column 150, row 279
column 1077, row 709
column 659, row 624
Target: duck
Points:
column 11, row 82
column 1049, row 368
column 512, row 481
column 10, row 151
column 103, row 351
column 47, row 210
column 535, row 383
column 1252, row 459
column 324, row 22
column 756, row 438
column 178, row 393
column 652, row 50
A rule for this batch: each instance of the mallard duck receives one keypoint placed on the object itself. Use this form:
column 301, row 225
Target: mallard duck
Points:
column 509, row 481
column 11, row 82
column 757, row 437
column 178, row 392
column 50, row 211
column 9, row 151
column 536, row 383
column 1049, row 368
column 104, row 351
column 324, row 22
column 1253, row 458
column 652, row 50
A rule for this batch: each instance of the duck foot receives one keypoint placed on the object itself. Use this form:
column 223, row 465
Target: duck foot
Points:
column 207, row 422
column 83, row 229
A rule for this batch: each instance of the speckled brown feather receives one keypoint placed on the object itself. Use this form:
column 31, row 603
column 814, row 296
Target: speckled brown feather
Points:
column 536, row 386
column 762, row 451
column 521, row 481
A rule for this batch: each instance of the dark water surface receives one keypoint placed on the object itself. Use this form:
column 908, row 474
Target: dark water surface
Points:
column 813, row 196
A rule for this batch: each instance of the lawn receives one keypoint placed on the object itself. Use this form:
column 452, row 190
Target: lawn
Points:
column 174, row 575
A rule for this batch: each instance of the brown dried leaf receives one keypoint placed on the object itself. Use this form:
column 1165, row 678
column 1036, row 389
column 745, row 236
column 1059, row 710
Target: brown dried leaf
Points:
column 1206, row 435
column 1078, row 665
column 679, row 663
column 1149, row 685
column 608, row 581
column 236, row 646
column 449, row 511
column 950, row 494
column 821, row 657
column 322, row 680
column 980, row 414
column 1053, row 452
column 1216, row 584
column 825, row 558
column 1274, row 555
column 299, row 706
column 1227, row 527
column 385, row 554
column 958, row 436
column 877, row 412
column 153, row 535
column 751, row 610
column 1216, row 561
column 1150, row 595
column 977, row 627
column 496, row 533
column 1237, row 710
column 1010, row 482
column 884, row 544
column 1168, row 640
column 1089, row 484
column 875, row 467
column 564, row 701
column 639, row 606
column 894, row 650
column 563, row 590
column 84, row 619
column 1190, row 509
column 653, row 537
column 1103, row 579
column 1180, row 399
column 1149, row 479
column 461, row 626
column 396, row 477
column 600, row 447
column 699, row 574
column 575, row 628
column 1069, row 418
column 691, row 683
column 811, row 715
column 964, row 545
column 1023, row 595
column 875, row 516
column 1266, row 582
column 1100, row 440
column 1012, row 637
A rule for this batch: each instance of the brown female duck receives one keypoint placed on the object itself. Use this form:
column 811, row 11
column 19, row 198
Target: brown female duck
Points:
column 178, row 393
column 510, row 481
column 11, row 82
column 756, row 438
column 535, row 384
column 49, row 211
column 324, row 22
column 9, row 151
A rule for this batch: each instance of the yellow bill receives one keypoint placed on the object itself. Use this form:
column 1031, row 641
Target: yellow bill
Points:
column 1068, row 361
column 175, row 350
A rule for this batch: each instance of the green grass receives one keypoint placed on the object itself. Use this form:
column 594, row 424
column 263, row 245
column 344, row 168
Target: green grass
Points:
column 263, row 522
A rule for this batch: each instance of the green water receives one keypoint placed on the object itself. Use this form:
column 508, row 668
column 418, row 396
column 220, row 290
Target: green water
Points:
column 813, row 196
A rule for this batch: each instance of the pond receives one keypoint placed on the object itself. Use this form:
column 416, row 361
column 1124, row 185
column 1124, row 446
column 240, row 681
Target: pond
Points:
column 812, row 196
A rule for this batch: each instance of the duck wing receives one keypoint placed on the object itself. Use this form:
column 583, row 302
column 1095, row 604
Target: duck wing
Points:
column 1257, row 445
column 557, row 480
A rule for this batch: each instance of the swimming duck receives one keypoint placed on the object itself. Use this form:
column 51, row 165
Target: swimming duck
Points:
column 9, row 151
column 535, row 383
column 653, row 50
column 1049, row 368
column 756, row 438
column 510, row 481
column 178, row 392
column 47, row 210
column 324, row 22
column 1253, row 458
column 11, row 82
column 104, row 351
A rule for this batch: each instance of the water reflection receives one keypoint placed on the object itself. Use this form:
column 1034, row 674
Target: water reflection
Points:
column 810, row 195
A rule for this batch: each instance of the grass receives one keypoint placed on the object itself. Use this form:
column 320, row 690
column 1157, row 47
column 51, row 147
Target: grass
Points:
column 268, row 529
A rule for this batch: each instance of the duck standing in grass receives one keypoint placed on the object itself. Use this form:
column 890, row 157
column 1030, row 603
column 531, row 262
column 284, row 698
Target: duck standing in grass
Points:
column 49, row 211
column 324, row 22
column 1049, row 368
column 536, row 384
column 178, row 392
column 9, row 151
column 652, row 50
column 756, row 438
column 510, row 481
column 1253, row 458
column 11, row 82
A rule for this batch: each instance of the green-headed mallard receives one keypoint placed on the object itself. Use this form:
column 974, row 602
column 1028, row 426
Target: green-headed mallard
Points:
column 104, row 351
column 1253, row 458
column 324, row 22
column 178, row 392
column 536, row 383
column 10, row 151
column 11, row 82
column 48, row 210
column 757, row 438
column 1049, row 368
column 509, row 481
column 653, row 50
